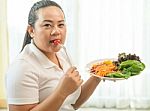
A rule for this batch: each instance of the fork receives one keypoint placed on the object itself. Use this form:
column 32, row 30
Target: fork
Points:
column 68, row 58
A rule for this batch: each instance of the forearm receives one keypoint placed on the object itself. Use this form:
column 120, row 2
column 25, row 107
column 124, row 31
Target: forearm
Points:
column 52, row 103
column 86, row 91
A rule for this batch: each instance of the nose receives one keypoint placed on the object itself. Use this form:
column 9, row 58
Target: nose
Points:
column 55, row 31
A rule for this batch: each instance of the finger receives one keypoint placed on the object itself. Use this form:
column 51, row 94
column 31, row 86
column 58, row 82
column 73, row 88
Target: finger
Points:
column 80, row 79
column 76, row 73
column 77, row 77
column 72, row 69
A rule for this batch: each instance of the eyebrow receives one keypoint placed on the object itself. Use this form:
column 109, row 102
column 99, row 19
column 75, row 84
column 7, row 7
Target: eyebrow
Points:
column 52, row 21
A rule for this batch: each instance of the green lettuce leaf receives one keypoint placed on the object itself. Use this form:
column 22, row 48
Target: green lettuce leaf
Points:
column 133, row 66
column 127, row 69
column 119, row 75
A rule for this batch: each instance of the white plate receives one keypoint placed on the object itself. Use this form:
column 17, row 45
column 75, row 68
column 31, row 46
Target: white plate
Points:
column 106, row 78
column 89, row 66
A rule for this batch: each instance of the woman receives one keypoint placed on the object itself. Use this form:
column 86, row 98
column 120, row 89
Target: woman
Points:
column 41, row 79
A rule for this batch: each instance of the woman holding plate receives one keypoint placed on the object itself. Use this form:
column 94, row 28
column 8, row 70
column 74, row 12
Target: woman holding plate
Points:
column 41, row 79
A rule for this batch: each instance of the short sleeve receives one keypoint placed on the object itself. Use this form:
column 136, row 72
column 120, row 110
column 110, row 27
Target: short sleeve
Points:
column 22, row 83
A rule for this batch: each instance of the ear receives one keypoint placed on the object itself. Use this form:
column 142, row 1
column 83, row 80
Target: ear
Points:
column 30, row 30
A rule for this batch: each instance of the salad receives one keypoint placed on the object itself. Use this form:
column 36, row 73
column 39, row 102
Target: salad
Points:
column 125, row 66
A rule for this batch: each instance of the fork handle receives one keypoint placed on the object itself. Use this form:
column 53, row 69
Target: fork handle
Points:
column 68, row 58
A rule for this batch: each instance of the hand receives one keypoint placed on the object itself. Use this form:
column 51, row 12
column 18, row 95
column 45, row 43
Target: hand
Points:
column 70, row 82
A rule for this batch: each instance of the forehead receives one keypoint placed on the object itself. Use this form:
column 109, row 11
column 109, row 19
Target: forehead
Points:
column 52, row 13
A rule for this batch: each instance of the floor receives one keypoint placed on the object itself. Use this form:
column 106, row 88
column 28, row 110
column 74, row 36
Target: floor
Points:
column 95, row 109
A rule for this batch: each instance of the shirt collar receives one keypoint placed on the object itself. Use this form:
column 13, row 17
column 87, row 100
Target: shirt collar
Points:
column 44, row 61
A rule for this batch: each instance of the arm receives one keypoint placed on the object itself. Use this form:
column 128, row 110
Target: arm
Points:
column 53, row 103
column 67, row 85
column 86, row 91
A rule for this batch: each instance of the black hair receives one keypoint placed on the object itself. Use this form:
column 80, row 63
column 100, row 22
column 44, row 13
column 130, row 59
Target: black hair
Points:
column 32, row 17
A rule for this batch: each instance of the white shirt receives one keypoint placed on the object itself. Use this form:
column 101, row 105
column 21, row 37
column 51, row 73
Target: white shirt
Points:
column 32, row 77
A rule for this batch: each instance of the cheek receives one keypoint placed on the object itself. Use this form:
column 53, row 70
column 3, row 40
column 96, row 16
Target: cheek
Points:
column 41, row 40
column 64, row 34
column 42, row 36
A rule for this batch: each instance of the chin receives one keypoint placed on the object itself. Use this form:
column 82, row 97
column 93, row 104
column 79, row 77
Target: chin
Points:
column 55, row 49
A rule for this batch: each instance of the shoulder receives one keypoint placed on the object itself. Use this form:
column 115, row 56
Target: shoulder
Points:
column 23, row 65
column 25, row 61
column 19, row 65
column 20, row 69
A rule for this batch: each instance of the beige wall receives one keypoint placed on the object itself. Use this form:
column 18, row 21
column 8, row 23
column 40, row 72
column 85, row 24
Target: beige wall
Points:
column 3, row 50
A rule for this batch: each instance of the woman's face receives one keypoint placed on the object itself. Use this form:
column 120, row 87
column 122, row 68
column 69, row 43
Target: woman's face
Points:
column 49, row 26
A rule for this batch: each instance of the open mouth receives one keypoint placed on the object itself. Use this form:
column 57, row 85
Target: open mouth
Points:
column 55, row 42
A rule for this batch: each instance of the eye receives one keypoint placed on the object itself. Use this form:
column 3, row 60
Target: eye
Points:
column 47, row 25
column 61, row 25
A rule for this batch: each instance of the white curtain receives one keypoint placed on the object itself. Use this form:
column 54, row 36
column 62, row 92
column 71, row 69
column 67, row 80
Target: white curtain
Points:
column 99, row 29
column 109, row 27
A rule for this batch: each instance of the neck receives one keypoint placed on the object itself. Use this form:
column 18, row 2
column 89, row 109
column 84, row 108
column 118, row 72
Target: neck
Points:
column 53, row 57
